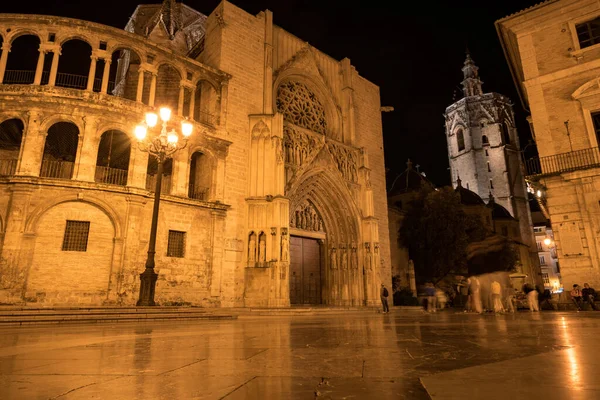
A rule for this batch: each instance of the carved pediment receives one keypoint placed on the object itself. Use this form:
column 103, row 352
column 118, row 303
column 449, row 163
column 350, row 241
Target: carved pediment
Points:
column 589, row 88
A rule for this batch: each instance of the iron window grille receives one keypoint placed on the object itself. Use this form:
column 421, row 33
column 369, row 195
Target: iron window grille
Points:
column 588, row 33
column 176, row 244
column 76, row 236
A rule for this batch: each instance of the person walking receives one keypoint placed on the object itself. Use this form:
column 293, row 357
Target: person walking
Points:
column 475, row 289
column 430, row 292
column 497, row 297
column 384, row 299
column 588, row 293
column 576, row 296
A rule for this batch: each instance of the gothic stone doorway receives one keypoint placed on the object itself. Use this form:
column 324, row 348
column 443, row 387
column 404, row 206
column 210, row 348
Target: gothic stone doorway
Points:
column 305, row 271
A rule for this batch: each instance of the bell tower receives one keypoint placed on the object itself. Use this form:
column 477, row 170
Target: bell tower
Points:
column 483, row 149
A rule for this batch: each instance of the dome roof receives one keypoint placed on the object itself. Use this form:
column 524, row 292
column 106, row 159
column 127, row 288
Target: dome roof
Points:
column 467, row 197
column 408, row 181
column 499, row 212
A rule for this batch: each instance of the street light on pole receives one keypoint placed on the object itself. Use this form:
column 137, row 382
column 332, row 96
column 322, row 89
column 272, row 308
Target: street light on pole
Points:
column 162, row 146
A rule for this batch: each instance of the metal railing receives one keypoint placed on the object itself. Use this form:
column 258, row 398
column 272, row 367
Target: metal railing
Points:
column 18, row 77
column 165, row 184
column 8, row 167
column 57, row 169
column 112, row 176
column 564, row 162
column 207, row 118
column 197, row 192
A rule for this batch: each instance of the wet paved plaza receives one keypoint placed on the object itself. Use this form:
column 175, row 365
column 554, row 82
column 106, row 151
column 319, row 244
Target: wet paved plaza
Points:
column 549, row 355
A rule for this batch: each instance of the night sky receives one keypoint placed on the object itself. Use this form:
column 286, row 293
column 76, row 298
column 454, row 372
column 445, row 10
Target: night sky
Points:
column 414, row 53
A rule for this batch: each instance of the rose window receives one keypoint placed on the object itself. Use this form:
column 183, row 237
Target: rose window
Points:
column 301, row 107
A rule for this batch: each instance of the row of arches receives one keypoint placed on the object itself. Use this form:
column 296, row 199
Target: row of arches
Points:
column 112, row 161
column 121, row 74
column 505, row 138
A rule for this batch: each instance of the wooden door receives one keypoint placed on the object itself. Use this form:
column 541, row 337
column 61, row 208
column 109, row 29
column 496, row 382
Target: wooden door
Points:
column 305, row 271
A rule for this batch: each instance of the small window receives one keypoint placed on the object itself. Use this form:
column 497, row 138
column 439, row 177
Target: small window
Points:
column 102, row 45
column 76, row 236
column 542, row 260
column 491, row 184
column 484, row 140
column 460, row 140
column 505, row 133
column 486, row 153
column 52, row 37
column 176, row 245
column 489, row 168
column 539, row 246
column 588, row 33
column 546, row 278
column 150, row 58
column 189, row 75
column 467, row 185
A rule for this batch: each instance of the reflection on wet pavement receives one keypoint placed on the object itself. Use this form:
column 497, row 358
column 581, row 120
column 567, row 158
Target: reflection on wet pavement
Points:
column 362, row 356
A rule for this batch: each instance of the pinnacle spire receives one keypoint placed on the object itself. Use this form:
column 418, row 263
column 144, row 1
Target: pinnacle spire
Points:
column 471, row 82
column 458, row 182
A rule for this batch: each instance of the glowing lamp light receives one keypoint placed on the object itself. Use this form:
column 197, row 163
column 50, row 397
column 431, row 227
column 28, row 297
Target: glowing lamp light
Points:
column 165, row 114
column 539, row 193
column 151, row 119
column 140, row 132
column 172, row 138
column 547, row 241
column 186, row 129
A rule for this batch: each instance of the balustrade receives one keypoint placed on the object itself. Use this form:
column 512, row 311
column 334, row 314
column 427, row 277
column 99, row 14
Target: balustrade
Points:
column 564, row 162
column 165, row 186
column 8, row 167
column 112, row 176
column 57, row 169
column 197, row 192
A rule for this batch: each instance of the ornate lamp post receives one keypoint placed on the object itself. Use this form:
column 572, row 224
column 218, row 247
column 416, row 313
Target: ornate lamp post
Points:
column 162, row 146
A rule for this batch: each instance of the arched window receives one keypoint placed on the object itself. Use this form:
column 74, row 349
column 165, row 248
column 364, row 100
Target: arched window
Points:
column 301, row 107
column 22, row 60
column 206, row 103
column 11, row 135
column 200, row 176
column 123, row 76
column 165, row 186
column 505, row 133
column 484, row 140
column 460, row 140
column 167, row 87
column 74, row 64
column 60, row 150
column 112, row 163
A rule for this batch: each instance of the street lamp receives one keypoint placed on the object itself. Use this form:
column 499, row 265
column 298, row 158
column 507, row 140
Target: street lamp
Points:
column 162, row 146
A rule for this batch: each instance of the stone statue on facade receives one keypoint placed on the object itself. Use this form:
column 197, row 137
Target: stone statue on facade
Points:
column 333, row 258
column 252, row 248
column 285, row 248
column 262, row 249
column 354, row 257
column 368, row 260
column 344, row 258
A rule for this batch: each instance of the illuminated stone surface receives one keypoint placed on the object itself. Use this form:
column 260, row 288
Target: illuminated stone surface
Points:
column 455, row 355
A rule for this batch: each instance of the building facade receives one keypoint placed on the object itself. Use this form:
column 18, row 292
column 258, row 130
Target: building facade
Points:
column 484, row 154
column 553, row 53
column 278, row 199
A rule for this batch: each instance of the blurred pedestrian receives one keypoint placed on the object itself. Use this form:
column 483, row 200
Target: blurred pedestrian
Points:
column 430, row 292
column 475, row 290
column 576, row 297
column 588, row 293
column 497, row 297
column 384, row 299
column 441, row 298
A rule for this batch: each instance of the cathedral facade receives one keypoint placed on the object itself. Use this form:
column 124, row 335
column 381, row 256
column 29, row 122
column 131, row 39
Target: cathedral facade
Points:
column 278, row 199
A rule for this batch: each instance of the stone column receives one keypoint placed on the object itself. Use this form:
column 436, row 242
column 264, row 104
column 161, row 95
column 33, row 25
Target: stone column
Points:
column 179, row 177
column 152, row 96
column 4, row 59
column 39, row 69
column 92, row 74
column 32, row 148
column 54, row 67
column 105, row 75
column 181, row 98
column 223, row 105
column 192, row 103
column 138, row 167
column 87, row 152
column 140, row 85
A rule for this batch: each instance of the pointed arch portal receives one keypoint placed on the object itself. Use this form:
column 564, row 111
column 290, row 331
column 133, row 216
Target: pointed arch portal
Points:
column 325, row 255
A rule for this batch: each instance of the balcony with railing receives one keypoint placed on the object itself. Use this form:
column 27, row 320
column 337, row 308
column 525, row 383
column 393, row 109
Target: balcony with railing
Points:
column 564, row 162
column 8, row 167
column 71, row 81
column 197, row 192
column 165, row 184
column 57, row 169
column 111, row 176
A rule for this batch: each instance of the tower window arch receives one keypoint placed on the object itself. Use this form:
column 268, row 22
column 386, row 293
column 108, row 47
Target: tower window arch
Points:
column 460, row 140
column 300, row 106
column 484, row 140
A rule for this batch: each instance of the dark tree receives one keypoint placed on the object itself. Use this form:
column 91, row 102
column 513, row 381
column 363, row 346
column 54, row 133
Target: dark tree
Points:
column 437, row 231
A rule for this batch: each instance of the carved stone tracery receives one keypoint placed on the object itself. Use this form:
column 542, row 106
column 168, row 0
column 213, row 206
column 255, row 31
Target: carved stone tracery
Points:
column 346, row 160
column 300, row 106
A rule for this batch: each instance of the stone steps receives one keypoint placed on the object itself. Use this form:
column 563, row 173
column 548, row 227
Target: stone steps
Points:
column 11, row 316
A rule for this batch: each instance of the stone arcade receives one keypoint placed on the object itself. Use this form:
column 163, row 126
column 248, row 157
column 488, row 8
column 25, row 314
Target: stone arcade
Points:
column 278, row 199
